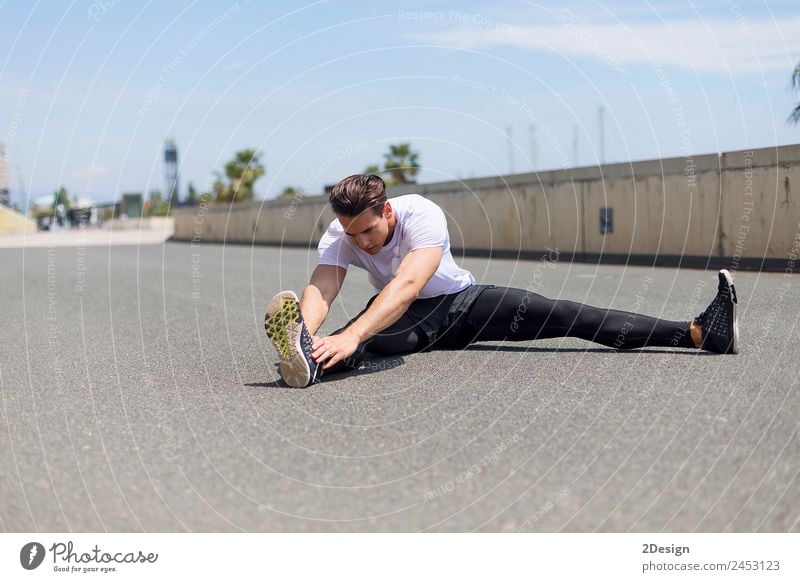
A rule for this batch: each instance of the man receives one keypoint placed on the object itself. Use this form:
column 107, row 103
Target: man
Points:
column 426, row 301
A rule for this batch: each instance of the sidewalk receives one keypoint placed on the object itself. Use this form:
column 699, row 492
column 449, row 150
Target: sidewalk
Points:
column 85, row 237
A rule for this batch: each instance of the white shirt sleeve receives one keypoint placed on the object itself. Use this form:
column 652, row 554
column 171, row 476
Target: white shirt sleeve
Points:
column 426, row 226
column 332, row 248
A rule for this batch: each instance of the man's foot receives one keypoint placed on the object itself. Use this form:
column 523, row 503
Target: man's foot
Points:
column 288, row 333
column 718, row 321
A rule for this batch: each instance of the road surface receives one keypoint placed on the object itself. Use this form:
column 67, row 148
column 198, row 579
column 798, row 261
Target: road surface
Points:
column 139, row 393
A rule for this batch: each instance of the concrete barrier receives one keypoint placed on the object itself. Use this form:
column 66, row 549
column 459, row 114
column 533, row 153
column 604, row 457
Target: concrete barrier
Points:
column 736, row 209
column 760, row 216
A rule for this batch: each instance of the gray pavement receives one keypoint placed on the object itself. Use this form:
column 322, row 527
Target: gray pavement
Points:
column 89, row 236
column 140, row 394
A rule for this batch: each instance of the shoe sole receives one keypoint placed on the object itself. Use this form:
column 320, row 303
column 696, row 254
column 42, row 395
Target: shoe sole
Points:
column 725, row 274
column 284, row 326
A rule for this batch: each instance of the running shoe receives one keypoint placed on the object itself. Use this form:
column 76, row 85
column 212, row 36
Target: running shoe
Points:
column 290, row 336
column 718, row 321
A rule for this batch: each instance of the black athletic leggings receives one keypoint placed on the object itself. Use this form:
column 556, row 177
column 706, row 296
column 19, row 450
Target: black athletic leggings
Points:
column 503, row 313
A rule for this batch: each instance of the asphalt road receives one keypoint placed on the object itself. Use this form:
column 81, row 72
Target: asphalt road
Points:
column 139, row 393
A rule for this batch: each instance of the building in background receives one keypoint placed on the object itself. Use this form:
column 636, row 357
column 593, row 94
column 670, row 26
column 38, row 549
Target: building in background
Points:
column 42, row 210
column 107, row 211
column 82, row 212
column 132, row 205
column 79, row 212
column 171, row 173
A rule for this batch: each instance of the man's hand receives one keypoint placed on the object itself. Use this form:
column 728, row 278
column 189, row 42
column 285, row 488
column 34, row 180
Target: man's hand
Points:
column 333, row 348
column 411, row 276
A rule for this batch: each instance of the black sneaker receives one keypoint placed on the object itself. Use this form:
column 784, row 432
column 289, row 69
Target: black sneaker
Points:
column 718, row 321
column 289, row 334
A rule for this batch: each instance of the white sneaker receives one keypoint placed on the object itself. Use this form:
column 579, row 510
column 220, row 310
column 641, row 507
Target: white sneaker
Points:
column 289, row 334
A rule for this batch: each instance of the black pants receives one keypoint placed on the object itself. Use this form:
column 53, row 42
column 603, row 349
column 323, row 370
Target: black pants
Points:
column 507, row 314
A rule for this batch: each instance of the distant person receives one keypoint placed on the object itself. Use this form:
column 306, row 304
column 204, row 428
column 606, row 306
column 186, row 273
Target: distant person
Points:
column 426, row 301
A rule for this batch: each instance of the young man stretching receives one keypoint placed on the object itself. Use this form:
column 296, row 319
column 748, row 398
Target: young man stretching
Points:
column 426, row 301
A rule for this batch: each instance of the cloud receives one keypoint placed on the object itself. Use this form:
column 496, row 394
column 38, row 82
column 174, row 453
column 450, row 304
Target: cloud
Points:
column 738, row 45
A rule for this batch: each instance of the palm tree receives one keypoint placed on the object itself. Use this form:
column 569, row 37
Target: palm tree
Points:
column 401, row 163
column 795, row 116
column 242, row 171
column 372, row 169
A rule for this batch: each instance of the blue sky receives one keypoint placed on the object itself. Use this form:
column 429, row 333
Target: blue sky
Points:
column 89, row 91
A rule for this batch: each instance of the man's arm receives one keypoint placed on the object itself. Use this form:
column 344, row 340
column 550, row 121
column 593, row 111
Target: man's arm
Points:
column 390, row 304
column 325, row 284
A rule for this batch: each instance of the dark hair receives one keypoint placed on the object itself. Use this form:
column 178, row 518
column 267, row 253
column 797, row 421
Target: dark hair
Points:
column 357, row 193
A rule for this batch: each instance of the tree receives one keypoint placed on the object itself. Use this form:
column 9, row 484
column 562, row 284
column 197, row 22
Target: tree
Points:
column 220, row 191
column 288, row 193
column 242, row 172
column 60, row 196
column 400, row 166
column 191, row 195
column 795, row 116
column 373, row 169
column 401, row 163
column 157, row 206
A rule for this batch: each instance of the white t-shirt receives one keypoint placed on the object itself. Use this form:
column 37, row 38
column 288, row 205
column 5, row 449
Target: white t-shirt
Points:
column 420, row 224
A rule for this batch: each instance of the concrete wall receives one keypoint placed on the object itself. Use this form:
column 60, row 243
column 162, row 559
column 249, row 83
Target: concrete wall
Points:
column 736, row 206
column 265, row 222
column 759, row 214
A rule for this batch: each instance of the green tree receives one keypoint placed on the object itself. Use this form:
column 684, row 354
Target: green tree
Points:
column 288, row 193
column 158, row 206
column 60, row 196
column 373, row 169
column 191, row 195
column 795, row 116
column 401, row 163
column 220, row 191
column 242, row 172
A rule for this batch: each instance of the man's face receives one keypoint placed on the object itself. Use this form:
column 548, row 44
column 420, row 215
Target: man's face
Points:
column 368, row 230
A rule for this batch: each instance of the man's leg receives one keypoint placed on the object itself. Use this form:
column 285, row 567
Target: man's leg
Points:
column 402, row 337
column 288, row 333
column 503, row 313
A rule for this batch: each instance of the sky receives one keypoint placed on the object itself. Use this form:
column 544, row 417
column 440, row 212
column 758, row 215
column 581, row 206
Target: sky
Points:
column 89, row 91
